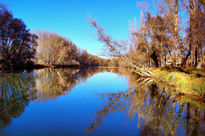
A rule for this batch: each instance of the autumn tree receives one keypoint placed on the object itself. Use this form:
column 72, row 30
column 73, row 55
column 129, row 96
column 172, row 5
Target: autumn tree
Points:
column 149, row 40
column 17, row 44
column 54, row 49
column 191, row 44
column 173, row 36
column 84, row 58
column 87, row 59
column 196, row 29
column 117, row 49
column 138, row 43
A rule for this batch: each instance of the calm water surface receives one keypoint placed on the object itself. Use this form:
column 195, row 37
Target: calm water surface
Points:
column 78, row 102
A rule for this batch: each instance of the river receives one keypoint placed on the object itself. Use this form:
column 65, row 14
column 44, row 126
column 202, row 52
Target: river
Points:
column 94, row 102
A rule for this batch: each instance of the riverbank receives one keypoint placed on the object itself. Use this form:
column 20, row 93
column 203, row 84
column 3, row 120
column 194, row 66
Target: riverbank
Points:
column 40, row 66
column 191, row 83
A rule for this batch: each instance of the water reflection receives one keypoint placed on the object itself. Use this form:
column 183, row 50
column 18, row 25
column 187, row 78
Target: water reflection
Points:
column 18, row 89
column 16, row 92
column 157, row 109
column 51, row 83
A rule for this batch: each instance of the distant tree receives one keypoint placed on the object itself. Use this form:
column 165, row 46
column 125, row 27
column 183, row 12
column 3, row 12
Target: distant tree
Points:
column 84, row 57
column 90, row 60
column 54, row 49
column 17, row 44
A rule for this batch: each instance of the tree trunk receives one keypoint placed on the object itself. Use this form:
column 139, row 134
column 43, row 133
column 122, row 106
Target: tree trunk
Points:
column 176, row 32
column 199, row 63
column 165, row 60
column 155, row 58
column 176, row 122
column 196, row 56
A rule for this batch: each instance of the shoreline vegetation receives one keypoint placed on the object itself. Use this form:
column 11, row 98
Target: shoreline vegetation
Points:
column 164, row 55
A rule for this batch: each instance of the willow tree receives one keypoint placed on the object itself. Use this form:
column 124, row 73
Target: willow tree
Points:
column 17, row 44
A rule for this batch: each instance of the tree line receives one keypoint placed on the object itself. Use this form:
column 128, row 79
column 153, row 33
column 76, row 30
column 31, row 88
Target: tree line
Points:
column 22, row 48
column 55, row 50
column 175, row 36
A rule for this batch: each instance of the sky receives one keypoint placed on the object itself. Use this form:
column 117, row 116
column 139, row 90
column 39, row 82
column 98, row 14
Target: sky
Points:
column 69, row 18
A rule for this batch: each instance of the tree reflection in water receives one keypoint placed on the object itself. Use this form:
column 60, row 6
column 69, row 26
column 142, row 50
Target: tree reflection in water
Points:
column 159, row 110
column 51, row 83
column 16, row 92
column 17, row 89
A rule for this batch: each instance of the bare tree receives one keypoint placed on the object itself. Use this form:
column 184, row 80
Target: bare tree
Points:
column 54, row 49
column 115, row 49
column 196, row 30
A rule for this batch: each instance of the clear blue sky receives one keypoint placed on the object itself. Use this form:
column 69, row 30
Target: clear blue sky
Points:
column 69, row 18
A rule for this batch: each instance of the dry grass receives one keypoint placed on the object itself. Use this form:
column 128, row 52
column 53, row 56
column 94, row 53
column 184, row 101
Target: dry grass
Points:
column 187, row 84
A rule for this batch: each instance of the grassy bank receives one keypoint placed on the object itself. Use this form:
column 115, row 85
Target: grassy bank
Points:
column 189, row 84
